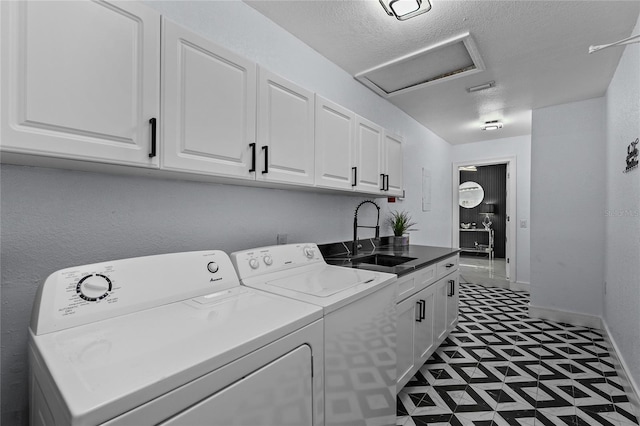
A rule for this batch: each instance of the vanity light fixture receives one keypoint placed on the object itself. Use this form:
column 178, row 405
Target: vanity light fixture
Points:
column 405, row 9
column 485, row 86
column 491, row 125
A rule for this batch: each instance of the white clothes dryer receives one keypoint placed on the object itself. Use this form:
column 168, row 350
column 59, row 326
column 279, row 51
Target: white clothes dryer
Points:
column 359, row 309
column 172, row 340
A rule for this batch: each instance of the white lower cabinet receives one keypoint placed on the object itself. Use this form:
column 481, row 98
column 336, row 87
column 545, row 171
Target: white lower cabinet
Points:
column 440, row 311
column 453, row 297
column 425, row 317
column 408, row 312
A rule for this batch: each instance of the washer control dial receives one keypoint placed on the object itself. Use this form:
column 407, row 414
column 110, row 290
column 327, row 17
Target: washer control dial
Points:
column 93, row 287
column 253, row 263
column 309, row 252
column 268, row 260
column 213, row 267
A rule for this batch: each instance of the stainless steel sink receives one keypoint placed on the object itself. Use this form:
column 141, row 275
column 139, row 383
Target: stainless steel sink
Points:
column 381, row 260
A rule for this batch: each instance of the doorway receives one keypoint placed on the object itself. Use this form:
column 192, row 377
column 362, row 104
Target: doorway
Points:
column 497, row 242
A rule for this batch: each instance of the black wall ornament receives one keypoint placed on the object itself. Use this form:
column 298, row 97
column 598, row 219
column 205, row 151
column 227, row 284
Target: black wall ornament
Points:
column 632, row 156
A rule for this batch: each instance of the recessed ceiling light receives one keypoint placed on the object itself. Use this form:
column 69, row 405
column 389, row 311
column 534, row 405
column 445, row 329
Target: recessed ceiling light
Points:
column 479, row 87
column 405, row 9
column 491, row 125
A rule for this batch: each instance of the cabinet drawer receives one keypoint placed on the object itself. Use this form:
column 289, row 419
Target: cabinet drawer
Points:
column 416, row 281
column 426, row 277
column 447, row 266
column 406, row 286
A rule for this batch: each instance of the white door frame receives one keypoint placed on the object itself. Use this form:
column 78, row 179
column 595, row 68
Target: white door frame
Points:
column 511, row 206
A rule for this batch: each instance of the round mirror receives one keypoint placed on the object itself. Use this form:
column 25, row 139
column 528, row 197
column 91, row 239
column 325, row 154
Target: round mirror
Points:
column 471, row 194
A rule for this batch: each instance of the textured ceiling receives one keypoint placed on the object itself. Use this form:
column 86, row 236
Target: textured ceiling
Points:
column 535, row 51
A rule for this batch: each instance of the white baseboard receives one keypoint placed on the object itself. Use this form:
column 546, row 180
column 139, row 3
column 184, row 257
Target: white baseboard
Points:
column 633, row 390
column 519, row 286
column 573, row 318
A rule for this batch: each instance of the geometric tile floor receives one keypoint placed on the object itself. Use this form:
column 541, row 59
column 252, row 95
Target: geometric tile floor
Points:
column 500, row 367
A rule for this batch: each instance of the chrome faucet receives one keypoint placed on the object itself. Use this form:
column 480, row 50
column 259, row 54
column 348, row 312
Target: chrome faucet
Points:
column 356, row 245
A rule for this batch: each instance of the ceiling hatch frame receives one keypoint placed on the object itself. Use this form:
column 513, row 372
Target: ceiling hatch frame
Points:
column 366, row 77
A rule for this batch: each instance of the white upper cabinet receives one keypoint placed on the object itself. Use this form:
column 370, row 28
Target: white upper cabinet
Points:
column 393, row 164
column 209, row 106
column 285, row 131
column 369, row 166
column 80, row 80
column 86, row 81
column 334, row 145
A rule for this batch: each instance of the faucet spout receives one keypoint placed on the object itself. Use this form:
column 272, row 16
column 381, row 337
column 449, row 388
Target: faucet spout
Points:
column 355, row 245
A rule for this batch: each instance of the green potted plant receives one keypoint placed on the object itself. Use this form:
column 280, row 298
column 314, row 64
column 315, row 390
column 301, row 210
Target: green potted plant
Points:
column 400, row 223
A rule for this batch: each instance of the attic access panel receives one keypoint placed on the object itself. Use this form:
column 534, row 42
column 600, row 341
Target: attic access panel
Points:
column 440, row 62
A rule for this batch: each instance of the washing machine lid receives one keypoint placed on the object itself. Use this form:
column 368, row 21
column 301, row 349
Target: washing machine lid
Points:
column 328, row 286
column 106, row 368
column 323, row 281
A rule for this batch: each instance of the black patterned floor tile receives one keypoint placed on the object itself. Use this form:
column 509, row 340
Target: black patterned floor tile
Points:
column 500, row 367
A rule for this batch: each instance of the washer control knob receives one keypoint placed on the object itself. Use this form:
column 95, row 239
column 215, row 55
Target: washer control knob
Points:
column 254, row 263
column 268, row 260
column 309, row 252
column 213, row 267
column 93, row 287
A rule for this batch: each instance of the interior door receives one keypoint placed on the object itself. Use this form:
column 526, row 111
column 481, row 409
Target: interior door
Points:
column 277, row 394
column 507, row 228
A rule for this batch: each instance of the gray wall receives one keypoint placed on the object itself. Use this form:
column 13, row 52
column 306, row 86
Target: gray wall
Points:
column 622, row 212
column 52, row 219
column 567, row 195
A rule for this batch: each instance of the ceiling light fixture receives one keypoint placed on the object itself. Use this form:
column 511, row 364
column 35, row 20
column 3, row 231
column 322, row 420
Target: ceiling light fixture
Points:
column 480, row 87
column 405, row 9
column 491, row 125
column 468, row 168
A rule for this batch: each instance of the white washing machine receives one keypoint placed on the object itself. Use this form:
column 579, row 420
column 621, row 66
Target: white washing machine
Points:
column 359, row 326
column 172, row 340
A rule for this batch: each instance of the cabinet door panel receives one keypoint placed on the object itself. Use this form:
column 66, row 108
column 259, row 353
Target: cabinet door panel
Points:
column 80, row 80
column 453, row 283
column 406, row 346
column 209, row 106
column 368, row 155
column 440, row 310
column 285, row 126
column 393, row 163
column 425, row 338
column 334, row 145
